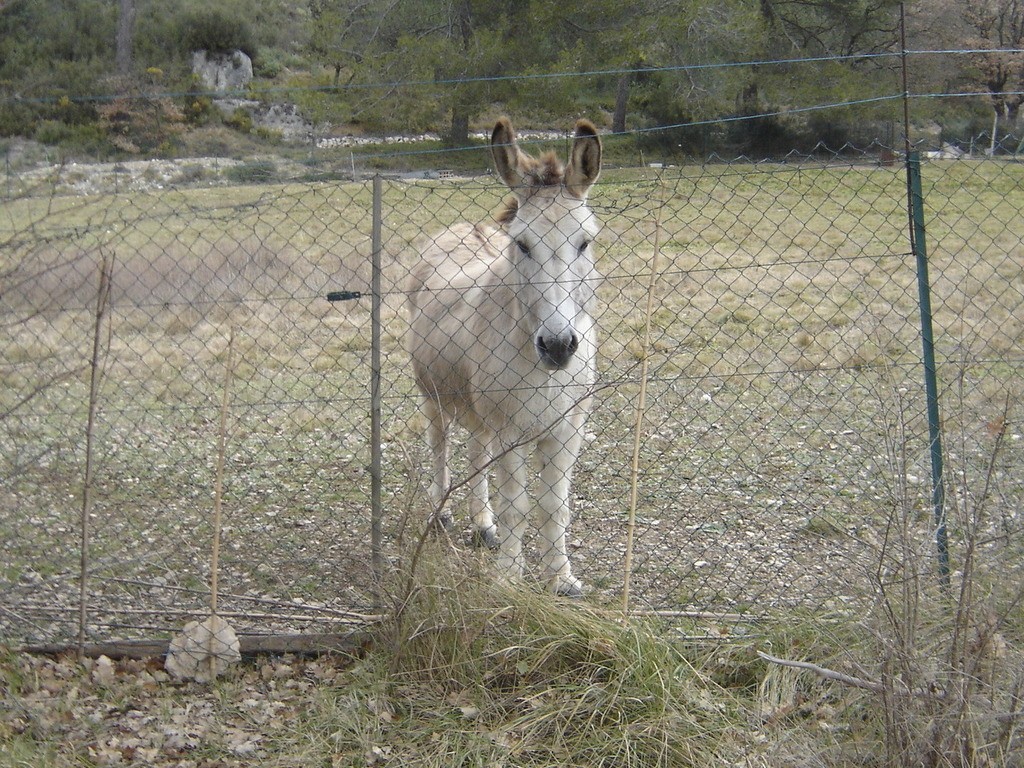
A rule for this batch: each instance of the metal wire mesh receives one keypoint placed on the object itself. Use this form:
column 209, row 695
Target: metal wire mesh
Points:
column 785, row 409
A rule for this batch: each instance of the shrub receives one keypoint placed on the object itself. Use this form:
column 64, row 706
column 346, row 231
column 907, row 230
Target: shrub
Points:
column 86, row 139
column 240, row 120
column 269, row 65
column 197, row 102
column 191, row 173
column 253, row 172
column 199, row 110
column 216, row 30
column 16, row 119
column 269, row 135
column 140, row 124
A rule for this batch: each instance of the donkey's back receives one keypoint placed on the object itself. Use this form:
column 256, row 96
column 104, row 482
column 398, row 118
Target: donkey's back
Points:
column 457, row 315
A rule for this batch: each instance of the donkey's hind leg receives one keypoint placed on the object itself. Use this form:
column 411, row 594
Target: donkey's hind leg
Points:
column 439, row 489
column 485, row 532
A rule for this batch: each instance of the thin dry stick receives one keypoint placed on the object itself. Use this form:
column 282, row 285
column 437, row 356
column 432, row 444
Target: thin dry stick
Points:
column 218, row 489
column 825, row 672
column 856, row 682
column 640, row 412
column 95, row 375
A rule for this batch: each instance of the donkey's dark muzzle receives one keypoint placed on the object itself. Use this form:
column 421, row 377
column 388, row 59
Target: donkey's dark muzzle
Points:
column 556, row 351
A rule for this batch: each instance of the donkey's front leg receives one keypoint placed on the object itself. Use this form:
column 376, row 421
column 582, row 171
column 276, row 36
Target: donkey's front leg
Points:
column 485, row 532
column 513, row 508
column 557, row 455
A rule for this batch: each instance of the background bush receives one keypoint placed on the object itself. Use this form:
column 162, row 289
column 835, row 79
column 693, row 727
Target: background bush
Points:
column 216, row 30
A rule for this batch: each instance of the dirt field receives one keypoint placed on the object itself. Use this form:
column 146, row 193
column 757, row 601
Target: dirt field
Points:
column 784, row 421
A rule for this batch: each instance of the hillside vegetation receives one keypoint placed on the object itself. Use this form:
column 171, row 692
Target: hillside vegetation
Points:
column 112, row 78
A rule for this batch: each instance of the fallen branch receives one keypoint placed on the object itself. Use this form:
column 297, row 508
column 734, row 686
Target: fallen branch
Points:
column 347, row 643
column 824, row 672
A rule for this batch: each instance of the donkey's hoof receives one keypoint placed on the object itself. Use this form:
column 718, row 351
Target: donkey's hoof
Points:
column 485, row 538
column 568, row 586
column 442, row 523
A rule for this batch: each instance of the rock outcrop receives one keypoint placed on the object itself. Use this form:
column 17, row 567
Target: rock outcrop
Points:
column 228, row 75
column 223, row 73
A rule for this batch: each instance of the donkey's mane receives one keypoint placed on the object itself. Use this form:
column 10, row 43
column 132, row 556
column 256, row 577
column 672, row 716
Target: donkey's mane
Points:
column 547, row 171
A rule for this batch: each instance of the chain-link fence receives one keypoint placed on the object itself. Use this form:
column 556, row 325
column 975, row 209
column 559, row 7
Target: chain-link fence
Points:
column 168, row 353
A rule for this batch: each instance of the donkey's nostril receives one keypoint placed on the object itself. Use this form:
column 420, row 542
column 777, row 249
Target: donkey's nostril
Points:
column 556, row 351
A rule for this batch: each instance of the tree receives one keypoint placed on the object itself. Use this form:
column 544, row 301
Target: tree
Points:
column 841, row 37
column 462, row 47
column 125, row 36
column 831, row 27
column 709, row 32
column 476, row 45
column 609, row 34
column 342, row 32
column 991, row 32
column 997, row 24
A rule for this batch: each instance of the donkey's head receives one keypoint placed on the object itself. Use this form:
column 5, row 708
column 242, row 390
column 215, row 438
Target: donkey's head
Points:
column 551, row 229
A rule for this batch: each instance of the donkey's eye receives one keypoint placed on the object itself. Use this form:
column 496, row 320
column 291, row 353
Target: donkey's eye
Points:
column 584, row 245
column 524, row 249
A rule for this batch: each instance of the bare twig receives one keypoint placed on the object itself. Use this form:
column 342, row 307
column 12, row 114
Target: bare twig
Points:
column 218, row 490
column 95, row 376
column 641, row 409
column 40, row 388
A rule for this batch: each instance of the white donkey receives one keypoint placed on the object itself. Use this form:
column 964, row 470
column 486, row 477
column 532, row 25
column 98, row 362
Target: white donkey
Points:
column 503, row 342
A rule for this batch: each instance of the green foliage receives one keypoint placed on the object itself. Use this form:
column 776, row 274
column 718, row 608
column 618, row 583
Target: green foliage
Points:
column 168, row 31
column 760, row 136
column 456, row 48
column 269, row 65
column 37, row 36
column 317, row 99
column 88, row 139
column 51, row 55
column 332, row 26
column 199, row 110
column 253, row 172
column 653, row 97
column 240, row 120
column 16, row 119
column 402, row 67
column 197, row 103
column 552, row 98
column 217, row 30
column 158, row 28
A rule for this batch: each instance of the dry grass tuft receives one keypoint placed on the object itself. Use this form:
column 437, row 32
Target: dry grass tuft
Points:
column 475, row 671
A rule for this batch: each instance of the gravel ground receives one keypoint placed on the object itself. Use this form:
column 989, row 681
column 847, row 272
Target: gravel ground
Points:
column 779, row 445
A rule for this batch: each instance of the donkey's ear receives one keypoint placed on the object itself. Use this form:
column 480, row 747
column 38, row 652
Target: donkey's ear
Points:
column 584, row 159
column 509, row 161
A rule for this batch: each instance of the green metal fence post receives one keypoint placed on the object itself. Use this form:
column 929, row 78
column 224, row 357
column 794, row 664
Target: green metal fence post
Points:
column 920, row 251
